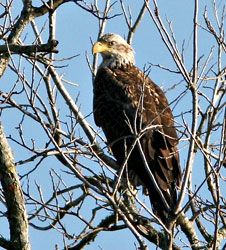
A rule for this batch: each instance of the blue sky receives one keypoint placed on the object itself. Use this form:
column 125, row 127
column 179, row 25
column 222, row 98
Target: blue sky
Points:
column 75, row 28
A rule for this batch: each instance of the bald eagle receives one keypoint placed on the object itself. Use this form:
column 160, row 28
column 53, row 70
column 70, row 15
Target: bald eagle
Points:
column 137, row 122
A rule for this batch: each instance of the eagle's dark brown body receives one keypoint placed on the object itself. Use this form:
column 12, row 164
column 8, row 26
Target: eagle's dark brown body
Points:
column 125, row 103
column 129, row 106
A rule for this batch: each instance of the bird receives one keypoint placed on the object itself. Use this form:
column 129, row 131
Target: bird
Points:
column 138, row 123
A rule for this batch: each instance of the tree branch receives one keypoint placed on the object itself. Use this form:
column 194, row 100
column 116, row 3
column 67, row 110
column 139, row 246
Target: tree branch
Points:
column 17, row 216
column 49, row 47
column 188, row 228
column 5, row 243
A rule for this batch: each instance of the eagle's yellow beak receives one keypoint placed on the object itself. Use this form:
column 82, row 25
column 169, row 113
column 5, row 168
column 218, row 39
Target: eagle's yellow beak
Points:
column 100, row 47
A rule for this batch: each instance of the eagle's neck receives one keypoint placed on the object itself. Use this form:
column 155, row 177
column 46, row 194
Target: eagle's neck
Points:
column 117, row 61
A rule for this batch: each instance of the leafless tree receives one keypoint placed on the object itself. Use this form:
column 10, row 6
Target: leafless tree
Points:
column 63, row 172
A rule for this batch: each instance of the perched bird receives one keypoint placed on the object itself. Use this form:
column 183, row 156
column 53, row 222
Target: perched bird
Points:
column 137, row 122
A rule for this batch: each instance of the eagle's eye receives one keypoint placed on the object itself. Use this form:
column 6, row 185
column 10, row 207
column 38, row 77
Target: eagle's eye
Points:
column 112, row 42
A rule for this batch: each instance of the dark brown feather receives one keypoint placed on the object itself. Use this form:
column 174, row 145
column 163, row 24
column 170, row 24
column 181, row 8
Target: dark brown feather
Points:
column 125, row 102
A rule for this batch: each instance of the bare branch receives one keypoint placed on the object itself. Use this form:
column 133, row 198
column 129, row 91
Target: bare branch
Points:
column 17, row 217
column 193, row 88
column 49, row 47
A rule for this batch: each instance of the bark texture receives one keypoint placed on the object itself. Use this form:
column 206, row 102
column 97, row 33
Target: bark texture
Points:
column 14, row 199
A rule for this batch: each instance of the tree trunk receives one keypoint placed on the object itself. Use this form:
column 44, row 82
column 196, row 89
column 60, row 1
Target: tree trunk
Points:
column 14, row 199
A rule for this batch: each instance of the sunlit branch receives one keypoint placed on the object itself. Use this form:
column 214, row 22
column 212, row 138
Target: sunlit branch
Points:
column 193, row 88
column 15, row 203
column 167, row 40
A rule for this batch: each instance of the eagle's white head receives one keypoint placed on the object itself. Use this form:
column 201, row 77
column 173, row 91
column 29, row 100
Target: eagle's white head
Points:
column 116, row 52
